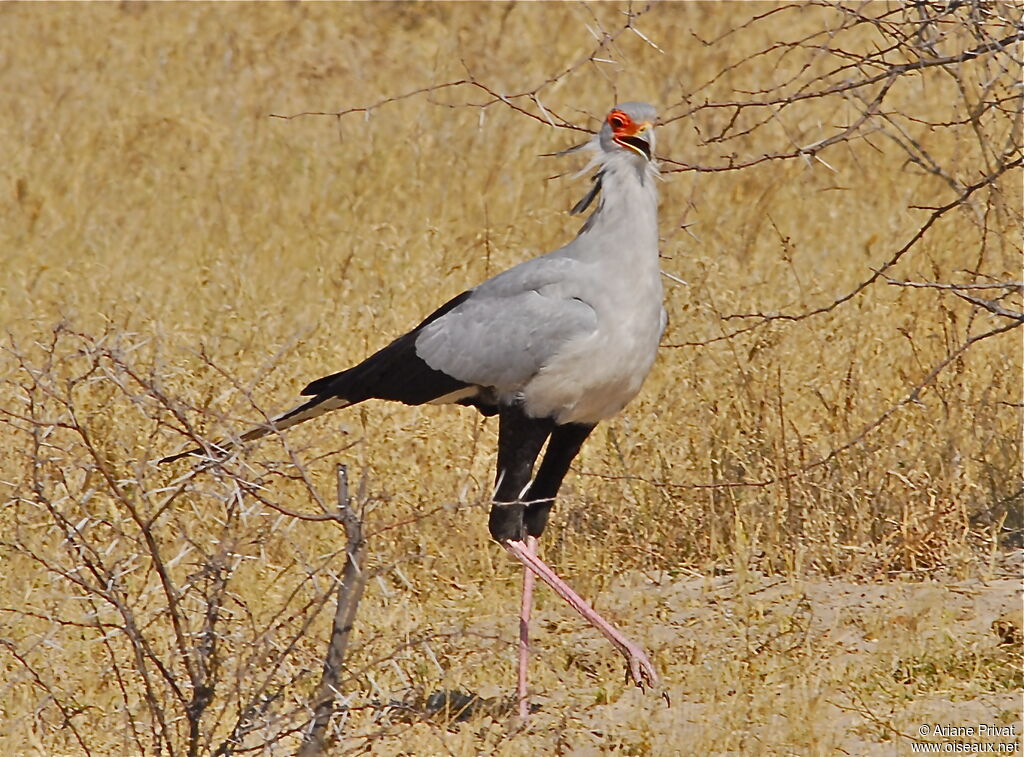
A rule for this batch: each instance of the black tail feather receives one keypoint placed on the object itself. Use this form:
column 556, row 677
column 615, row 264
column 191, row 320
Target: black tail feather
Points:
column 313, row 408
column 394, row 373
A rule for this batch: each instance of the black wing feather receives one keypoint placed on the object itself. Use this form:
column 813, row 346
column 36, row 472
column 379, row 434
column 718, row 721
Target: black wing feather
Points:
column 393, row 373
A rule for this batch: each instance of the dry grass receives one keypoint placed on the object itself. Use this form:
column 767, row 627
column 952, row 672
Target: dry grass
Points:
column 177, row 262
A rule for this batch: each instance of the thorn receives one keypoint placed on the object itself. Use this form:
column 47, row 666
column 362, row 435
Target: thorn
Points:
column 643, row 36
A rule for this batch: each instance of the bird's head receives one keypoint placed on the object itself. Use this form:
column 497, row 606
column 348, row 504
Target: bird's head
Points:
column 629, row 126
column 626, row 137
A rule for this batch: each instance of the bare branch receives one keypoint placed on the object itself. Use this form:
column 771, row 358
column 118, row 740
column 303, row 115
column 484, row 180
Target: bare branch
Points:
column 936, row 214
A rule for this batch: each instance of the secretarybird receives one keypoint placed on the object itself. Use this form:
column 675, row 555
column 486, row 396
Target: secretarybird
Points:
column 552, row 346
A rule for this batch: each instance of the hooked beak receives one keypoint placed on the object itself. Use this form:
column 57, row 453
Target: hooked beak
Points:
column 636, row 141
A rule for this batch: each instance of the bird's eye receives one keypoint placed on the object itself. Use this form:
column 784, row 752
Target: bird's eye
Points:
column 617, row 120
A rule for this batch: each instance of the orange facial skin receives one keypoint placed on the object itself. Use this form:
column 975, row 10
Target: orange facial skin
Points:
column 627, row 133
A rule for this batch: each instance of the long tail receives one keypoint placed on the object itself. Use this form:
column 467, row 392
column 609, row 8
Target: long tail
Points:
column 394, row 373
column 313, row 408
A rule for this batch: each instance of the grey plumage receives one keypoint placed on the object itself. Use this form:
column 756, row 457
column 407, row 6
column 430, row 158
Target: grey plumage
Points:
column 573, row 333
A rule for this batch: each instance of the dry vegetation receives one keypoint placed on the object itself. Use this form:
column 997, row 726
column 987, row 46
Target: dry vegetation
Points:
column 810, row 515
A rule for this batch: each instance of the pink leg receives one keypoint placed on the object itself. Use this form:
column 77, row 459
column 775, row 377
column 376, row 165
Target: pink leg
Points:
column 640, row 668
column 524, row 630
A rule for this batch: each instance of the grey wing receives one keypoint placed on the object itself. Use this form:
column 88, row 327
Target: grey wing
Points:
column 503, row 338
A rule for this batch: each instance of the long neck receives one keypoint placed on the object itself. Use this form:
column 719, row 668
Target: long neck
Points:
column 627, row 213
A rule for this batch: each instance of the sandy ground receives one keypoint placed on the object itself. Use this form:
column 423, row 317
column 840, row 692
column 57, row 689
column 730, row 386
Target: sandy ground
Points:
column 755, row 664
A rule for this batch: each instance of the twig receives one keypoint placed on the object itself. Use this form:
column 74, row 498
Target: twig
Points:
column 350, row 591
column 960, row 290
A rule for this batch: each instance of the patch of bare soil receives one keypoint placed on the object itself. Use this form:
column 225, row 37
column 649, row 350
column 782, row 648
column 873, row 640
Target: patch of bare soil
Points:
column 756, row 664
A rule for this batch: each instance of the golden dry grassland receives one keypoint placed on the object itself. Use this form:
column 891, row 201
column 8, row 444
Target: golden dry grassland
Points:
column 810, row 522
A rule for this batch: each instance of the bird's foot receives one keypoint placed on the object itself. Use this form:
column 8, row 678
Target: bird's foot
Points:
column 641, row 671
column 638, row 665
